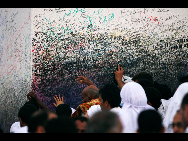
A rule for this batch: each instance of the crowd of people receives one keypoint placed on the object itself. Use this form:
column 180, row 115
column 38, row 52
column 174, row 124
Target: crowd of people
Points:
column 135, row 105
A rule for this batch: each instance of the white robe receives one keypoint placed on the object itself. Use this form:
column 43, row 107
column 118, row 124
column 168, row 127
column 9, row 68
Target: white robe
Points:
column 174, row 106
column 96, row 108
column 134, row 101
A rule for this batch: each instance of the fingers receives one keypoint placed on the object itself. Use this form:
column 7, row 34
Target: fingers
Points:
column 55, row 105
column 119, row 69
column 80, row 79
column 55, row 98
column 58, row 98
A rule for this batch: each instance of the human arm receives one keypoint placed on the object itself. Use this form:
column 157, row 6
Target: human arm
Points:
column 118, row 76
column 82, row 79
column 33, row 97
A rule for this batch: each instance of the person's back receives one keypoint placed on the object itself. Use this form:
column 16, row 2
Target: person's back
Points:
column 150, row 121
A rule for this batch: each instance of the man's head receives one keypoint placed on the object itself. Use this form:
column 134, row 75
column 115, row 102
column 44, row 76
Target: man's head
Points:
column 104, row 122
column 150, row 121
column 177, row 124
column 38, row 121
column 89, row 93
column 25, row 112
column 153, row 96
column 62, row 124
column 63, row 110
column 184, row 110
column 143, row 75
column 81, row 123
column 109, row 97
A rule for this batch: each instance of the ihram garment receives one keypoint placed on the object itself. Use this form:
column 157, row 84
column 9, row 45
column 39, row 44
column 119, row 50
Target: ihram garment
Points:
column 134, row 101
column 174, row 106
column 82, row 108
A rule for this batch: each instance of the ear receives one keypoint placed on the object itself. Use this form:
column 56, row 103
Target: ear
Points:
column 106, row 103
column 186, row 110
column 21, row 122
column 89, row 98
column 149, row 103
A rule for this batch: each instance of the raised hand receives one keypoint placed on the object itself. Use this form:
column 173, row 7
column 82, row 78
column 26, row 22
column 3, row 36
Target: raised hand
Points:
column 82, row 79
column 58, row 100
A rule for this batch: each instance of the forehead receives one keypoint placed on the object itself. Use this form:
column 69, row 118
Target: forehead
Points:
column 80, row 124
column 177, row 117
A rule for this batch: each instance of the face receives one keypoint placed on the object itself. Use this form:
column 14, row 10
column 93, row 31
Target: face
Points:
column 103, row 105
column 184, row 114
column 85, row 97
column 81, row 126
column 177, row 124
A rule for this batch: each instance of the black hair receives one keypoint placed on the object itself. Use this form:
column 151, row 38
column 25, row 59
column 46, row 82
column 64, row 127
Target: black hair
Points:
column 61, row 125
column 63, row 110
column 26, row 111
column 111, row 93
column 33, row 103
column 149, row 121
column 143, row 75
column 184, row 101
column 145, row 83
column 153, row 96
column 38, row 118
column 81, row 118
column 182, row 77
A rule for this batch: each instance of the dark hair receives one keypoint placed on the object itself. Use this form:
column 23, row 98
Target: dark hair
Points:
column 111, row 93
column 63, row 110
column 154, row 96
column 149, row 121
column 81, row 118
column 183, row 77
column 102, row 122
column 38, row 118
column 145, row 83
column 184, row 101
column 61, row 125
column 26, row 111
column 33, row 103
column 143, row 75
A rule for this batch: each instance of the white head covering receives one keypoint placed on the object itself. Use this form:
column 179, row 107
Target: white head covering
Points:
column 174, row 106
column 135, row 100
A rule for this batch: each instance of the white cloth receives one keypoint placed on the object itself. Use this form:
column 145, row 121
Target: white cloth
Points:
column 174, row 106
column 116, row 110
column 96, row 108
column 22, row 130
column 135, row 100
column 126, row 79
column 73, row 110
column 15, row 126
column 93, row 109
column 163, row 107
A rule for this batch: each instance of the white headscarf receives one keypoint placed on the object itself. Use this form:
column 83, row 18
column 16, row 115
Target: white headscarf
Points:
column 174, row 106
column 134, row 101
